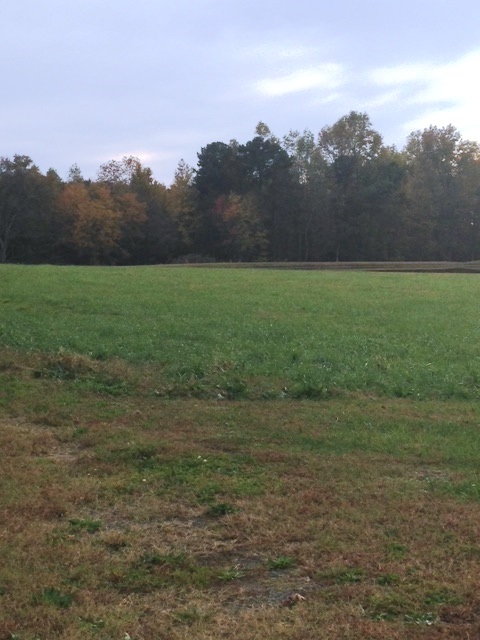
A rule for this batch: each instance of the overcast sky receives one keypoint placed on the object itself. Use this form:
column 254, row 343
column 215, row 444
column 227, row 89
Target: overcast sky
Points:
column 86, row 81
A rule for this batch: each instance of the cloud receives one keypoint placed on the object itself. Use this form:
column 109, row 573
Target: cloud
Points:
column 382, row 99
column 441, row 94
column 143, row 156
column 327, row 76
column 401, row 74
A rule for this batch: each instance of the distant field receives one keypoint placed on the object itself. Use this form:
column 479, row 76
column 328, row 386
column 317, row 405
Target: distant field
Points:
column 472, row 266
column 257, row 334
column 246, row 454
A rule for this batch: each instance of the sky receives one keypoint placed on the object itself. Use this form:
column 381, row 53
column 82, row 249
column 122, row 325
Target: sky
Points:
column 87, row 81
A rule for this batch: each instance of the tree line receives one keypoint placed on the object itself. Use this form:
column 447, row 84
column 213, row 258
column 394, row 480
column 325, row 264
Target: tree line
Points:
column 339, row 195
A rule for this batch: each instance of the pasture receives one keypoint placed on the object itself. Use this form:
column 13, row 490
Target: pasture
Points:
column 222, row 453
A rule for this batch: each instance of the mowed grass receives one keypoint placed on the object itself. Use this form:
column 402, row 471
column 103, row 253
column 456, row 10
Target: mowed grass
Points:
column 256, row 334
column 221, row 487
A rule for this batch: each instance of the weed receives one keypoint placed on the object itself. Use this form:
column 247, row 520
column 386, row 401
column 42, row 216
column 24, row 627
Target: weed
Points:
column 442, row 596
column 389, row 607
column 468, row 491
column 428, row 618
column 471, row 552
column 220, row 509
column 396, row 550
column 348, row 575
column 57, row 598
column 110, row 377
column 280, row 563
column 88, row 525
column 189, row 616
column 142, row 457
column 156, row 571
column 180, row 560
column 388, row 579
column 67, row 366
column 209, row 492
column 93, row 624
column 234, row 573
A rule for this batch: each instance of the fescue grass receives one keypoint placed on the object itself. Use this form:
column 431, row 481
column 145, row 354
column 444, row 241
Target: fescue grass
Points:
column 139, row 504
column 250, row 333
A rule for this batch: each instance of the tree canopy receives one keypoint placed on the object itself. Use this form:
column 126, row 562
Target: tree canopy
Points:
column 341, row 194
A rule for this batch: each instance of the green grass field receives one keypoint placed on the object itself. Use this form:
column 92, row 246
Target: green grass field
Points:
column 257, row 334
column 241, row 454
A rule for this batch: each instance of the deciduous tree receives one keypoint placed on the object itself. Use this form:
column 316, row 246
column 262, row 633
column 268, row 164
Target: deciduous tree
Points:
column 442, row 193
column 182, row 203
column 21, row 207
column 243, row 236
column 348, row 146
column 97, row 219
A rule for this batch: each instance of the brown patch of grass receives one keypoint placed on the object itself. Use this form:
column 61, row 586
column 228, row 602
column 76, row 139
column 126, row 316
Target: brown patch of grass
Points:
column 323, row 529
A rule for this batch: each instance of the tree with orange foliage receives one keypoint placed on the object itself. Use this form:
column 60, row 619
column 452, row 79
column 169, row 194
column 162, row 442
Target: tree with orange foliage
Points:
column 97, row 219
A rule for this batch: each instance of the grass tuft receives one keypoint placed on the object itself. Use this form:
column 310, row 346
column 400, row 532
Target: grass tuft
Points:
column 57, row 598
column 280, row 563
column 220, row 509
column 88, row 525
